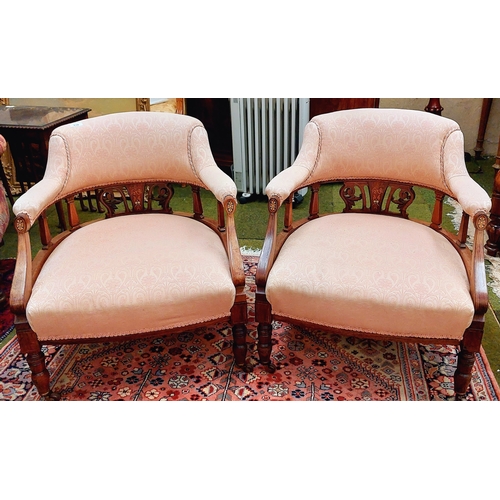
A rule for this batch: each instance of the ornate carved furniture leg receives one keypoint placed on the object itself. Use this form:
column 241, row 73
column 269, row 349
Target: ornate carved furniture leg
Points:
column 434, row 106
column 239, row 320
column 35, row 358
column 483, row 123
column 264, row 346
column 493, row 244
column 469, row 346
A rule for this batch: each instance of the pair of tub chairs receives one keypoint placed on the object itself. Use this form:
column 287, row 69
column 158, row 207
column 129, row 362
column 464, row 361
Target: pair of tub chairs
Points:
column 367, row 270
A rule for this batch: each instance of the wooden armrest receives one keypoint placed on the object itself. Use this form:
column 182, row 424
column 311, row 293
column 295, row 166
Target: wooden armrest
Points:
column 233, row 248
column 479, row 288
column 22, row 281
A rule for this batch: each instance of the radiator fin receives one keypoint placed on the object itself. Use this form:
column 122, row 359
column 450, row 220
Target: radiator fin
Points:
column 266, row 134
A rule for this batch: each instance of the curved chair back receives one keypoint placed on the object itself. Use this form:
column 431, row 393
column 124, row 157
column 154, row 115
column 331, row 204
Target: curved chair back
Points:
column 402, row 145
column 162, row 144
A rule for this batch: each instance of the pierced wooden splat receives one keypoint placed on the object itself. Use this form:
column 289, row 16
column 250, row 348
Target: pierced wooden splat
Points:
column 376, row 196
column 136, row 198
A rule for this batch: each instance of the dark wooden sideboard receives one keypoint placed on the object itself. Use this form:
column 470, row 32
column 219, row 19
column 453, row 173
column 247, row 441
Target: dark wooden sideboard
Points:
column 320, row 105
column 27, row 130
column 215, row 114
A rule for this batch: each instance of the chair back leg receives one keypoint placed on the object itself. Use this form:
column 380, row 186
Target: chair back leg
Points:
column 469, row 346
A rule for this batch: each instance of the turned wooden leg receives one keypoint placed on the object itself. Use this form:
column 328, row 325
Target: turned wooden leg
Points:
column 469, row 346
column 240, row 345
column 60, row 214
column 39, row 373
column 31, row 348
column 463, row 374
column 493, row 228
column 483, row 123
column 239, row 320
column 434, row 106
column 264, row 344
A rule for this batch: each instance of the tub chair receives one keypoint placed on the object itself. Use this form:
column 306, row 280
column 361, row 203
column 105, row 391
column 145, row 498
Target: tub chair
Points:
column 143, row 269
column 366, row 268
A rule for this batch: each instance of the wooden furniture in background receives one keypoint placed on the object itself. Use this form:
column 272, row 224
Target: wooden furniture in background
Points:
column 434, row 106
column 493, row 229
column 320, row 105
column 215, row 114
column 3, row 176
column 27, row 129
column 368, row 270
column 493, row 244
column 483, row 123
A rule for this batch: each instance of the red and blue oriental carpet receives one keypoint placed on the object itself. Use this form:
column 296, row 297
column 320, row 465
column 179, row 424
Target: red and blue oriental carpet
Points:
column 198, row 365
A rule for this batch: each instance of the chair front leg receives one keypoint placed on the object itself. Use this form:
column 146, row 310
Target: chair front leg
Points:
column 239, row 318
column 240, row 346
column 264, row 345
column 31, row 348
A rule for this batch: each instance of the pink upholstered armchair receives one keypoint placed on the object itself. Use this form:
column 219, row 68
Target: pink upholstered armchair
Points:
column 144, row 269
column 369, row 270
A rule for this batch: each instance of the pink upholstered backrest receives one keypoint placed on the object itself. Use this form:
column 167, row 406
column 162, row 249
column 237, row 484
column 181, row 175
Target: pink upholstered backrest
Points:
column 397, row 144
column 3, row 145
column 128, row 147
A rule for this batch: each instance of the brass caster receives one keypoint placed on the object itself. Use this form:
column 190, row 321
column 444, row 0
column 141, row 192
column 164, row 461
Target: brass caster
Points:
column 52, row 396
column 271, row 368
column 248, row 368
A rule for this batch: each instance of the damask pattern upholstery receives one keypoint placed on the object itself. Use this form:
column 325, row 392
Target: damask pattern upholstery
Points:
column 177, row 274
column 400, row 145
column 4, row 207
column 155, row 141
column 4, row 212
column 372, row 282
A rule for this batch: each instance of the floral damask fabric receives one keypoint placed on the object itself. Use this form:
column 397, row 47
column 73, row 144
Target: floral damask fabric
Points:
column 126, row 148
column 401, row 145
column 131, row 274
column 4, row 212
column 197, row 365
column 372, row 274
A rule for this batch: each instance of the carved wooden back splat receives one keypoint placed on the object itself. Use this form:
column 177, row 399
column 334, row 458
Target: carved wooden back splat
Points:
column 136, row 198
column 377, row 196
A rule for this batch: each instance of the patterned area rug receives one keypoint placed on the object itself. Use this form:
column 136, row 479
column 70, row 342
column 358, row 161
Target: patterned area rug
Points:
column 198, row 365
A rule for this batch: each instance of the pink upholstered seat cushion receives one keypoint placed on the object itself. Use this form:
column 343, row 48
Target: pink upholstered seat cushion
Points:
column 131, row 274
column 4, row 212
column 372, row 273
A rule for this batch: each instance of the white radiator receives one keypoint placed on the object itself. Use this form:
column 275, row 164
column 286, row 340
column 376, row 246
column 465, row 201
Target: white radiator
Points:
column 267, row 135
